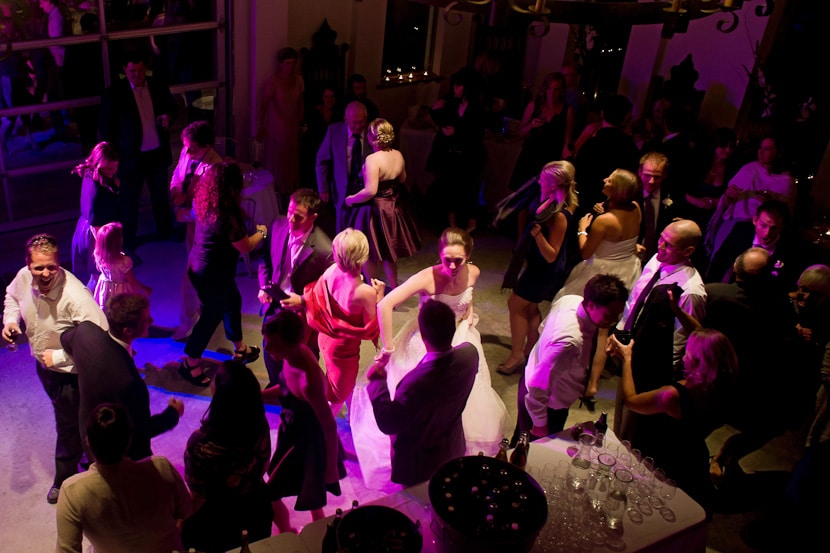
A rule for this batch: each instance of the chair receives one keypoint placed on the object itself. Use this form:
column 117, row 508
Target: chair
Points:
column 249, row 210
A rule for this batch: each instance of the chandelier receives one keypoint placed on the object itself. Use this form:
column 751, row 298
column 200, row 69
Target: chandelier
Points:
column 674, row 15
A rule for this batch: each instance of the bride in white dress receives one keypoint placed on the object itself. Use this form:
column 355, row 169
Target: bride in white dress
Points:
column 485, row 416
column 609, row 248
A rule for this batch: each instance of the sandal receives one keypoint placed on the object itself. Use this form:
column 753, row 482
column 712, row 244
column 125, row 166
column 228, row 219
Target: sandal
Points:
column 247, row 355
column 202, row 380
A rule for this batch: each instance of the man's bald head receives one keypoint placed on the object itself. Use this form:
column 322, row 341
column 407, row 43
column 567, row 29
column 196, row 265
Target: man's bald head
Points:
column 356, row 117
column 687, row 231
column 752, row 264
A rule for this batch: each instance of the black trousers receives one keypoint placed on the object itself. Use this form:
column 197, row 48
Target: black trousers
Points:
column 556, row 417
column 62, row 389
column 150, row 167
column 220, row 302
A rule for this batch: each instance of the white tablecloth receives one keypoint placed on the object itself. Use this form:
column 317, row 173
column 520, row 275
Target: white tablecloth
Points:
column 261, row 190
column 686, row 535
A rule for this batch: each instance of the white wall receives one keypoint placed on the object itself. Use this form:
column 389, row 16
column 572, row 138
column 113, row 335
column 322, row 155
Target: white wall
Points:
column 719, row 59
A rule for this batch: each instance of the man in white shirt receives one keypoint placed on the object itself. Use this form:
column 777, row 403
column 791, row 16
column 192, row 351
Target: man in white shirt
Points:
column 50, row 300
column 558, row 365
column 659, row 338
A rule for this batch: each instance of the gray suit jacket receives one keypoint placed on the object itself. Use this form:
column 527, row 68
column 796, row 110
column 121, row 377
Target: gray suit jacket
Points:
column 425, row 417
column 332, row 168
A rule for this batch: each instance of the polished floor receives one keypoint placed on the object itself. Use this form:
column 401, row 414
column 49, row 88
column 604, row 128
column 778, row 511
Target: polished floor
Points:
column 27, row 429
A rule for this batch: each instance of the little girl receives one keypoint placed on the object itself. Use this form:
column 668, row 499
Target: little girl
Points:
column 115, row 267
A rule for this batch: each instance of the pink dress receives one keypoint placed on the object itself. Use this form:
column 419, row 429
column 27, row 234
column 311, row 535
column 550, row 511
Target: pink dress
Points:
column 114, row 280
column 339, row 337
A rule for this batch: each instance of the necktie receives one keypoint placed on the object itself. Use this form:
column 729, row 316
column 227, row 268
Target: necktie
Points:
column 641, row 300
column 650, row 235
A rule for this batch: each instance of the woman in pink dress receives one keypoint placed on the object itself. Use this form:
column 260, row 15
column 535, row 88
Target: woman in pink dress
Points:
column 280, row 117
column 342, row 309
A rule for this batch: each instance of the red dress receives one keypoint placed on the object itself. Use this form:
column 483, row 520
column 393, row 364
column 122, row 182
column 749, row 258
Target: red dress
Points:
column 339, row 337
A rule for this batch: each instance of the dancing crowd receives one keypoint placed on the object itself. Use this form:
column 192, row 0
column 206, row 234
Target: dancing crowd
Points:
column 665, row 268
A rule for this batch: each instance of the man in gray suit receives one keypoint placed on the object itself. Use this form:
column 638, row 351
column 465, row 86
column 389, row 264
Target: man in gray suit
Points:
column 424, row 419
column 340, row 161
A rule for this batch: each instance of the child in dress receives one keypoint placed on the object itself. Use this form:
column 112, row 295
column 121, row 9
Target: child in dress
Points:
column 115, row 267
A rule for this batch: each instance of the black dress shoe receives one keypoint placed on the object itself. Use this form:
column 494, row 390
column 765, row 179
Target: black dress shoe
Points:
column 52, row 496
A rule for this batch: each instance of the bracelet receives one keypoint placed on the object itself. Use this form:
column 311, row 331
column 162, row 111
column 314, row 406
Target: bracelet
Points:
column 263, row 233
column 582, row 233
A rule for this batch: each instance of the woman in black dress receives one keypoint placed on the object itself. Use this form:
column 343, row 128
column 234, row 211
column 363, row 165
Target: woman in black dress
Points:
column 220, row 237
column 377, row 210
column 99, row 206
column 225, row 463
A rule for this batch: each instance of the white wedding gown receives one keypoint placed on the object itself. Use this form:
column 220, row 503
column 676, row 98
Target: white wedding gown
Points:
column 485, row 416
column 612, row 258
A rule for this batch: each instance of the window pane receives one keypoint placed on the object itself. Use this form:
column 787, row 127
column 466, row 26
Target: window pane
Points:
column 405, row 37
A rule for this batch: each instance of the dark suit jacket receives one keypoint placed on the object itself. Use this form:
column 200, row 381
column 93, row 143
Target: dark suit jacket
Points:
column 333, row 168
column 107, row 373
column 738, row 241
column 121, row 123
column 667, row 210
column 314, row 258
column 425, row 417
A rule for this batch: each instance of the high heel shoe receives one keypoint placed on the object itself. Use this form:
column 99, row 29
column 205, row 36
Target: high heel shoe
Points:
column 589, row 402
column 247, row 355
column 511, row 369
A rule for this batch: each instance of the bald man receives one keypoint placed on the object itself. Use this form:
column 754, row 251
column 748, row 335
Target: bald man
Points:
column 659, row 338
column 339, row 161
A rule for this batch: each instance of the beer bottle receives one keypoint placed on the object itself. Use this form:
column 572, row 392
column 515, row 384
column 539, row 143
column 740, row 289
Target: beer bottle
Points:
column 601, row 427
column 519, row 455
column 244, row 548
column 503, row 447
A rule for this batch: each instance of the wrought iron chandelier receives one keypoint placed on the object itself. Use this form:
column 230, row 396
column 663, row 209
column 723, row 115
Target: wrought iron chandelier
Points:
column 674, row 15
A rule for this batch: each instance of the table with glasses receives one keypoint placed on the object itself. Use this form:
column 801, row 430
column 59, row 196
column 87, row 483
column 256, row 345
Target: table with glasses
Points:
column 584, row 512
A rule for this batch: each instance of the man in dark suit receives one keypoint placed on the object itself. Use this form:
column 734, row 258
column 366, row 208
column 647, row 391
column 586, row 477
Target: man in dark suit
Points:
column 338, row 169
column 750, row 311
column 765, row 231
column 107, row 372
column 296, row 254
column 658, row 206
column 424, row 419
column 136, row 114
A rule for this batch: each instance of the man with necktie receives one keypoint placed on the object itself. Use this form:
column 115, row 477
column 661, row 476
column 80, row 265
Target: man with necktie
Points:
column 659, row 338
column 107, row 371
column 340, row 162
column 136, row 114
column 297, row 251
column 656, row 204
column 767, row 231
column 558, row 364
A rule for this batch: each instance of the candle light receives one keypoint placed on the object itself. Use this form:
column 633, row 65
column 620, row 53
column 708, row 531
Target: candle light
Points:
column 675, row 5
column 410, row 76
column 727, row 3
column 540, row 5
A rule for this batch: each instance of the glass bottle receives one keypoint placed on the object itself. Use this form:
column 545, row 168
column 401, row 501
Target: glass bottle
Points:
column 244, row 547
column 12, row 346
column 503, row 447
column 601, row 427
column 519, row 455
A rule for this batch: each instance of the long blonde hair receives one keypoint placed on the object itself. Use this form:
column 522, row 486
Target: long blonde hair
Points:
column 564, row 172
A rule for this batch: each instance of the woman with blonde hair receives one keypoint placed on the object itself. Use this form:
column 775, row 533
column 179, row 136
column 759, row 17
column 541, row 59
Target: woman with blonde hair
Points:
column 688, row 410
column 547, row 248
column 610, row 248
column 340, row 306
column 377, row 210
